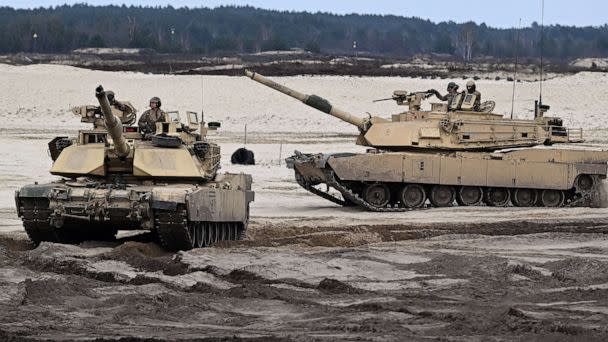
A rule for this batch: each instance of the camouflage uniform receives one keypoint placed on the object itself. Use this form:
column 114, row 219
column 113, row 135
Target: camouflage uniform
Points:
column 477, row 104
column 471, row 89
column 147, row 121
column 447, row 97
column 450, row 96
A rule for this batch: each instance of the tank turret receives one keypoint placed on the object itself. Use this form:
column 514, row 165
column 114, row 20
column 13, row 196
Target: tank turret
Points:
column 113, row 125
column 441, row 128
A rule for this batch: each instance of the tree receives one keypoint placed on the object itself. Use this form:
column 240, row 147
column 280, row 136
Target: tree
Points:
column 97, row 41
column 230, row 29
column 466, row 40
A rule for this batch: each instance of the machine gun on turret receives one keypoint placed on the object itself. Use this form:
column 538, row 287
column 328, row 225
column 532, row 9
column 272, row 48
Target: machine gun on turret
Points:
column 403, row 98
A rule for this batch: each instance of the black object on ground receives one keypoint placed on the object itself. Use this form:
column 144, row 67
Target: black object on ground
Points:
column 243, row 156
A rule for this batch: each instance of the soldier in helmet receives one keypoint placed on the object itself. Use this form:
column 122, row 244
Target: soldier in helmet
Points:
column 147, row 121
column 472, row 98
column 126, row 112
column 450, row 96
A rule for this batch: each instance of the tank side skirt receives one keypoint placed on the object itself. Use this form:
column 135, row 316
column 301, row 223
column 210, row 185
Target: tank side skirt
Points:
column 495, row 170
column 576, row 197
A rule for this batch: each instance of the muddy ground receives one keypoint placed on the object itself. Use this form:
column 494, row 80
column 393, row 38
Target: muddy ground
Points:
column 548, row 284
column 308, row 270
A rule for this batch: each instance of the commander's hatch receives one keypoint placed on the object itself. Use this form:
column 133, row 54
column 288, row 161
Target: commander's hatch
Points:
column 193, row 123
column 172, row 124
column 172, row 116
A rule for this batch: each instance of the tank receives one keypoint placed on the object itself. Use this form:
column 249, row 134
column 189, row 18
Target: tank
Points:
column 449, row 156
column 113, row 178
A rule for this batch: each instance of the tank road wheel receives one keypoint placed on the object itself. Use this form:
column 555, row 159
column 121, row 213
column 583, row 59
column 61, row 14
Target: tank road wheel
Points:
column 524, row 197
column 584, row 182
column 442, row 195
column 377, row 195
column 469, row 195
column 412, row 196
column 552, row 198
column 497, row 197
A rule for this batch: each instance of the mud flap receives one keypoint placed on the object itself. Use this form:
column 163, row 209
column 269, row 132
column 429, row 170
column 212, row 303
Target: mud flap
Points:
column 219, row 205
column 167, row 198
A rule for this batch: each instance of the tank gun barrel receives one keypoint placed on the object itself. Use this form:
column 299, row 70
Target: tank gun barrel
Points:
column 314, row 101
column 113, row 125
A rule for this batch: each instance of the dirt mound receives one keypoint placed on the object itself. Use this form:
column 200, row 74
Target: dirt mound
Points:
column 333, row 286
column 138, row 248
column 244, row 277
column 52, row 291
column 147, row 256
column 579, row 270
column 15, row 243
column 256, row 291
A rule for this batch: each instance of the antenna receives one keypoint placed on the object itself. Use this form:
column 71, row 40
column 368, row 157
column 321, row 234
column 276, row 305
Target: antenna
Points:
column 515, row 69
column 542, row 43
column 202, row 99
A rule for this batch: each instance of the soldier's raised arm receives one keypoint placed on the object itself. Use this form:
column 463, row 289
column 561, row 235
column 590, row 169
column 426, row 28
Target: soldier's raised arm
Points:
column 438, row 95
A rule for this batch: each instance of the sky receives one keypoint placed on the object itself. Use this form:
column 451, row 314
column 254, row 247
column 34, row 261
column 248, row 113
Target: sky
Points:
column 502, row 13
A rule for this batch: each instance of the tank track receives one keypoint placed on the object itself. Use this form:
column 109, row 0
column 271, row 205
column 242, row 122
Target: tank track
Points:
column 357, row 200
column 176, row 233
column 37, row 220
column 171, row 227
column 323, row 194
column 37, row 224
column 590, row 197
column 580, row 198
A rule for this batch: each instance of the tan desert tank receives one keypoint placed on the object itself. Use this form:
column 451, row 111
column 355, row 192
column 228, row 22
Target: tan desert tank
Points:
column 116, row 178
column 449, row 155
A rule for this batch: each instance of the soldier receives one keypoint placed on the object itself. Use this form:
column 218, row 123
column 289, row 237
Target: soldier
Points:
column 126, row 110
column 471, row 90
column 147, row 121
column 450, row 96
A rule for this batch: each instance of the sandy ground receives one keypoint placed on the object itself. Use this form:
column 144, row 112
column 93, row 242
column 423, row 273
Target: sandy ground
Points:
column 308, row 270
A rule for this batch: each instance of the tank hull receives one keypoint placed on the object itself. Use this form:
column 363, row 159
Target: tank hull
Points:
column 398, row 181
column 181, row 215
